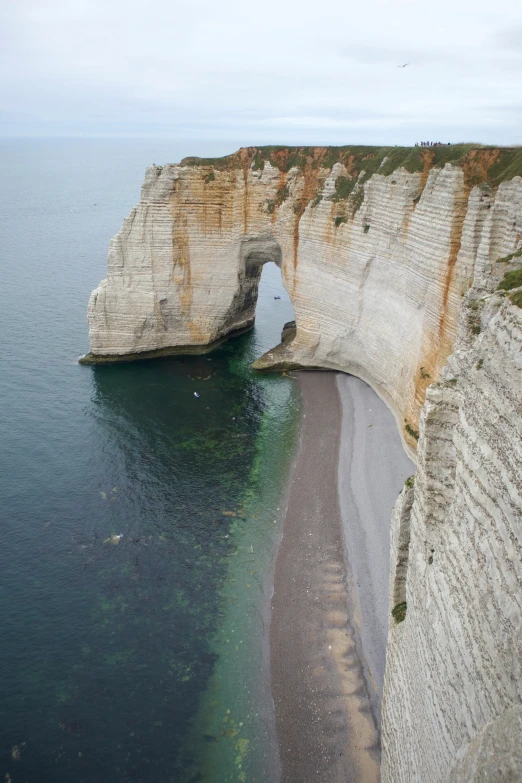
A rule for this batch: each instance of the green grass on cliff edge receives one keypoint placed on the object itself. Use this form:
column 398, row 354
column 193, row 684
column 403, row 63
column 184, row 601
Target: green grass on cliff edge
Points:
column 510, row 257
column 399, row 612
column 512, row 280
column 504, row 163
column 516, row 298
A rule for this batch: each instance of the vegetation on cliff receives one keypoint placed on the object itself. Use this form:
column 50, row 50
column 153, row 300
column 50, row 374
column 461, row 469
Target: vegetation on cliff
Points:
column 481, row 164
column 513, row 280
column 510, row 257
column 399, row 612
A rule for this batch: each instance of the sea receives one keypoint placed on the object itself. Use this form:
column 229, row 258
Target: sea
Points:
column 138, row 522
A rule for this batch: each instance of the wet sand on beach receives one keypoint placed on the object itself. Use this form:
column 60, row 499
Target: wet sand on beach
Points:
column 326, row 694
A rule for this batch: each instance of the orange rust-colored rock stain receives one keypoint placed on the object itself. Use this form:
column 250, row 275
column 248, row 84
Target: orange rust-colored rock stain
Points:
column 427, row 156
column 309, row 189
column 181, row 272
column 476, row 166
column 245, row 156
column 281, row 185
column 427, row 161
column 440, row 344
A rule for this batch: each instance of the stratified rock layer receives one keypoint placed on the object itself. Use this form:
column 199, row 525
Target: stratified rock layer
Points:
column 375, row 265
column 391, row 259
column 494, row 754
column 454, row 664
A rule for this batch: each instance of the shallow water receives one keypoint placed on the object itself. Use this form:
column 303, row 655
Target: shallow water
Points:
column 138, row 522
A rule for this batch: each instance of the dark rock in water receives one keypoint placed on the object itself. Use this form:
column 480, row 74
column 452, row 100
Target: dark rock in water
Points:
column 280, row 357
column 288, row 333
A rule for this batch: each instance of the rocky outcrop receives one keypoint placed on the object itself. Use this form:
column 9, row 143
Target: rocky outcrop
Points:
column 392, row 258
column 376, row 247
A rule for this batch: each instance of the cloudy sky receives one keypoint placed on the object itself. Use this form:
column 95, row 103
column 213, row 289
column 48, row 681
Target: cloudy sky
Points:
column 275, row 71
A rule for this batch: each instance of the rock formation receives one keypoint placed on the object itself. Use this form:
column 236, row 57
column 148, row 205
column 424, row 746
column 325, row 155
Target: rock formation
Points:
column 391, row 257
column 454, row 660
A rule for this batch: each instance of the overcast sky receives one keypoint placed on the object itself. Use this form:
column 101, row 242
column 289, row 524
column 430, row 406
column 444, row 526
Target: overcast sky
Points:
column 263, row 72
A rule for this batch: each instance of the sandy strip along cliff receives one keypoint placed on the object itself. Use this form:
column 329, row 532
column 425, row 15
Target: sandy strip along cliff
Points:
column 391, row 259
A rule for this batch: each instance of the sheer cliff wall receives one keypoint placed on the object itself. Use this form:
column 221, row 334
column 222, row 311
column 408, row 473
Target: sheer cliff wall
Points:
column 376, row 247
column 392, row 258
column 453, row 685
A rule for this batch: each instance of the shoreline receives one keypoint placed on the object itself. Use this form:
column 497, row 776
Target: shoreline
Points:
column 327, row 646
column 373, row 467
column 202, row 349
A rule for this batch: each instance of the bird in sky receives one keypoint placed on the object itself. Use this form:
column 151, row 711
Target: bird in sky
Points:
column 403, row 66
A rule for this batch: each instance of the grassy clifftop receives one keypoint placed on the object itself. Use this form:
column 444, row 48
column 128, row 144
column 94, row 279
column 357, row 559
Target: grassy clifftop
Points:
column 481, row 164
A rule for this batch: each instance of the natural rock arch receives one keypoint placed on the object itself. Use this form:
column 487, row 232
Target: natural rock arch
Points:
column 375, row 267
column 254, row 253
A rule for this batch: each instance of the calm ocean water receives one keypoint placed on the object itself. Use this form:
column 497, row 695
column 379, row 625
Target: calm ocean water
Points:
column 138, row 658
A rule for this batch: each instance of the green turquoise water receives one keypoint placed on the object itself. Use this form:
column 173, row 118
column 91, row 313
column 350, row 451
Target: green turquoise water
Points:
column 138, row 523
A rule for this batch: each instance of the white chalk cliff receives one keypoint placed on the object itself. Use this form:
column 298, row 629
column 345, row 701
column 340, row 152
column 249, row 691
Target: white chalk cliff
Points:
column 454, row 664
column 390, row 259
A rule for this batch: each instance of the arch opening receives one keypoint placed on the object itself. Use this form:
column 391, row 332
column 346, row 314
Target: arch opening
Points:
column 274, row 310
column 263, row 298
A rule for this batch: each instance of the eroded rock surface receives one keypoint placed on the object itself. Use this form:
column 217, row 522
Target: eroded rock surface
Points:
column 454, row 659
column 376, row 247
column 495, row 754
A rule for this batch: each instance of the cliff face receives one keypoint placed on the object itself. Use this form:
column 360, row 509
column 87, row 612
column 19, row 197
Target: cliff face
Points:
column 376, row 248
column 454, row 664
column 391, row 258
